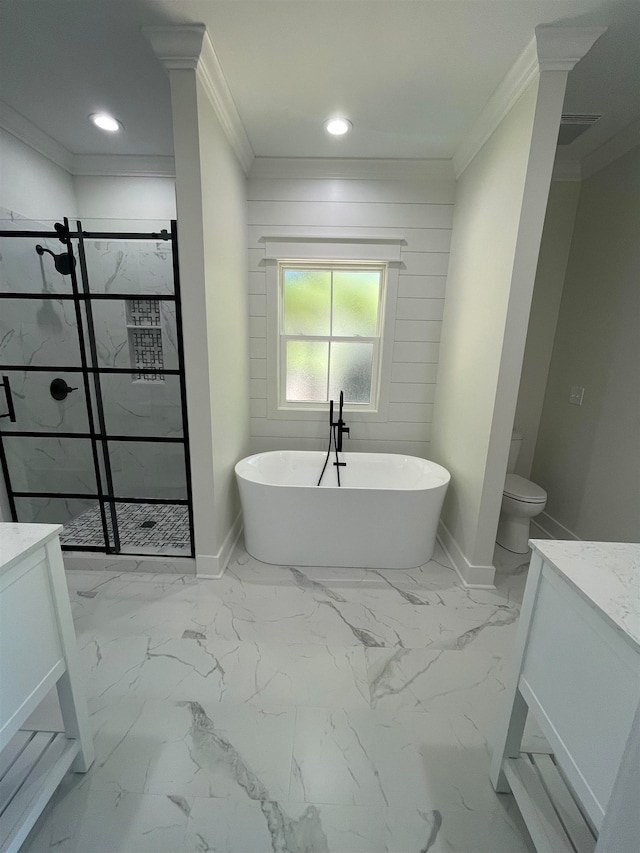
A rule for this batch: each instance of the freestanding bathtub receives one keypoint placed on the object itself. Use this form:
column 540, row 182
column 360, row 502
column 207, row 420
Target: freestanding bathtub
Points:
column 384, row 515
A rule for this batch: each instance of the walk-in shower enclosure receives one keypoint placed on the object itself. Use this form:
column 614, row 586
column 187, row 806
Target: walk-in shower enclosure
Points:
column 93, row 416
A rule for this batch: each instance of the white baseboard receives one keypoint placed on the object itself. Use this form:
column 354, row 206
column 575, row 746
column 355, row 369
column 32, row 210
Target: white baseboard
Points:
column 213, row 566
column 552, row 528
column 472, row 576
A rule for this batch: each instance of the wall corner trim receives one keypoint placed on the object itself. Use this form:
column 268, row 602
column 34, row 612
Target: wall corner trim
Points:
column 561, row 48
column 472, row 577
column 26, row 131
column 107, row 165
column 551, row 49
column 177, row 47
column 566, row 170
column 189, row 48
column 123, row 166
column 213, row 566
column 552, row 528
column 612, row 149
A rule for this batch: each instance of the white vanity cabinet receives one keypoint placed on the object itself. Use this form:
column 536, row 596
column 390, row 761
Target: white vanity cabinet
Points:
column 576, row 667
column 37, row 652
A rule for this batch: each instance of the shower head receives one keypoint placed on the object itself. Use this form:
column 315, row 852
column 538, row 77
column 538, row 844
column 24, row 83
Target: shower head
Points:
column 64, row 262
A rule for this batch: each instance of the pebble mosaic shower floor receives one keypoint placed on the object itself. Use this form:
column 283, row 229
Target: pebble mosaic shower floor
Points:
column 143, row 528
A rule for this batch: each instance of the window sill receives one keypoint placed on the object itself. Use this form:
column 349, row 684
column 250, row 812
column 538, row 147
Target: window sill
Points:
column 321, row 414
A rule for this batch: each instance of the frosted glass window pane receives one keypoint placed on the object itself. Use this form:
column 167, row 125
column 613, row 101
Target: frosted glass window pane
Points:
column 307, row 302
column 355, row 303
column 351, row 368
column 307, row 367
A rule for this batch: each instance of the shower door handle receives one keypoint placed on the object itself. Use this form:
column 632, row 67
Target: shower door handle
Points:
column 11, row 414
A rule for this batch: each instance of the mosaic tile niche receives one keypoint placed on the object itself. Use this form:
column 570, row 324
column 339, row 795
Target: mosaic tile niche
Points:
column 145, row 338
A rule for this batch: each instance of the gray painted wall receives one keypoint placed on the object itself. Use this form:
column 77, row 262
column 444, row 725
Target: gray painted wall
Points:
column 588, row 457
column 545, row 307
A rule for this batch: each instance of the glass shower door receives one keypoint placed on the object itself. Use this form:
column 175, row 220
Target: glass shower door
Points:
column 93, row 418
column 49, row 453
column 132, row 299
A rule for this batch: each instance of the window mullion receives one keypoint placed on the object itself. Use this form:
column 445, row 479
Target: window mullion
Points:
column 319, row 338
column 330, row 336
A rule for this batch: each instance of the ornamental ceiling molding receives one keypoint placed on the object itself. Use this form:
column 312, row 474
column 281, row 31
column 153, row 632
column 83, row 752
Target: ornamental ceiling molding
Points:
column 551, row 49
column 189, row 48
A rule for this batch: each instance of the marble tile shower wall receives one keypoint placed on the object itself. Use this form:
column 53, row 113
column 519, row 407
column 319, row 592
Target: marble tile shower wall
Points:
column 420, row 213
column 44, row 333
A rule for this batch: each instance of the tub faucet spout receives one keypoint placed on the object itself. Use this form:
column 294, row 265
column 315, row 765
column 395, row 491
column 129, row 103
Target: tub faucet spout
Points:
column 336, row 431
column 342, row 429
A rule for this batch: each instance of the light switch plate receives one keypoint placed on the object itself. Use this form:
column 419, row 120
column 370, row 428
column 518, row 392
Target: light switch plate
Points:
column 575, row 395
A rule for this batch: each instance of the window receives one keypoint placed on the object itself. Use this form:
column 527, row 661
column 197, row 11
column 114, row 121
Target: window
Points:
column 330, row 321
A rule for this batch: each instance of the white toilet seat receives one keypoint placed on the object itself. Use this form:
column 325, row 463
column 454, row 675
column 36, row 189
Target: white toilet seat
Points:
column 520, row 489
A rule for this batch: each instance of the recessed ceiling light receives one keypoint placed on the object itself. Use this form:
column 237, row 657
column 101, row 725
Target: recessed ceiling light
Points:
column 338, row 126
column 106, row 122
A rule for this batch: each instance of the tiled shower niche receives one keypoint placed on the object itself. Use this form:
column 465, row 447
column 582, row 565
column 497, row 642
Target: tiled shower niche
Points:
column 145, row 338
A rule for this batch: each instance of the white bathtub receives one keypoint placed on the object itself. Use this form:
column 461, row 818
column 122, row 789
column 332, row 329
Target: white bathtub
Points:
column 384, row 516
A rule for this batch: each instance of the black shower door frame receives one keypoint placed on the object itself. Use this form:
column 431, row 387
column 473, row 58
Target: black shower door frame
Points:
column 89, row 368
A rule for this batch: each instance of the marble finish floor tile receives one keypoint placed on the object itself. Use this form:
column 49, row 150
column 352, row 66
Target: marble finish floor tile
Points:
column 87, row 821
column 83, row 820
column 264, row 827
column 390, row 759
column 438, row 681
column 291, row 709
column 448, row 683
column 189, row 749
column 499, row 829
column 227, row 671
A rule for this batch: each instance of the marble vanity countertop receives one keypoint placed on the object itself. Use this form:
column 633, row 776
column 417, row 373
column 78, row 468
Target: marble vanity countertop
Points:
column 19, row 540
column 606, row 574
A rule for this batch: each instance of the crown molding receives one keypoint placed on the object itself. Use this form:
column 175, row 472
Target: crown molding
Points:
column 182, row 48
column 212, row 77
column 566, row 170
column 351, row 169
column 551, row 49
column 617, row 146
column 561, row 48
column 516, row 80
column 108, row 165
column 24, row 130
column 124, row 166
column 177, row 47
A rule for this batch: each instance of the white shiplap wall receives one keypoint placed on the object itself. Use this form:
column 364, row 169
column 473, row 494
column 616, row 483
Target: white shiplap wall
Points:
column 420, row 214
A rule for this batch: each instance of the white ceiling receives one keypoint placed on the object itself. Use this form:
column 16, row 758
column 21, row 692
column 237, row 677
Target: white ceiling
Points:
column 411, row 76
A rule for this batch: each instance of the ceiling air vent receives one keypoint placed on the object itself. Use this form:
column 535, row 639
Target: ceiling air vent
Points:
column 573, row 126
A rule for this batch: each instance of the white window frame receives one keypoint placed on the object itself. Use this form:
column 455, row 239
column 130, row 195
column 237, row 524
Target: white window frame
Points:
column 304, row 249
column 331, row 266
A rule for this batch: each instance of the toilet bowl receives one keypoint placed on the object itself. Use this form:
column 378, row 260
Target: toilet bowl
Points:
column 522, row 500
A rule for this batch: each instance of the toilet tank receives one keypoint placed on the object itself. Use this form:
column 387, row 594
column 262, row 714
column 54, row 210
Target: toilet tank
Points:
column 516, row 443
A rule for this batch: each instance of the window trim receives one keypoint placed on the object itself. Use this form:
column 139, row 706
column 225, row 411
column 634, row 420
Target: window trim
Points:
column 376, row 340
column 325, row 249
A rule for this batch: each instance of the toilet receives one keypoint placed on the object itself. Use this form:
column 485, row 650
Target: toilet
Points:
column 522, row 500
